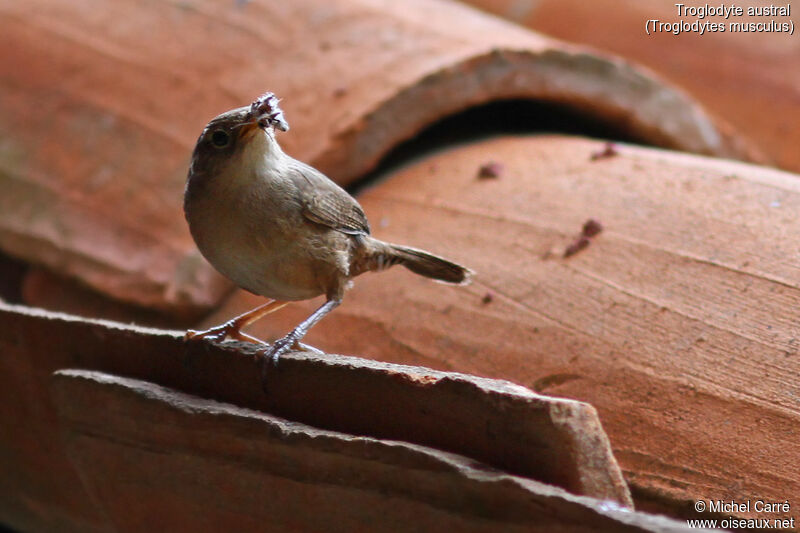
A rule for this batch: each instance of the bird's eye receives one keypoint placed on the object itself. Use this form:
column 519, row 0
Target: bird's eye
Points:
column 220, row 139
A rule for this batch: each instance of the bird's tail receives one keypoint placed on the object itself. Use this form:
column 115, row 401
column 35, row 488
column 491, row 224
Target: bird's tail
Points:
column 420, row 262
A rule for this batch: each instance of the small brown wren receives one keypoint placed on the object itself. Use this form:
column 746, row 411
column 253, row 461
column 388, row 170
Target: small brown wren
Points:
column 280, row 228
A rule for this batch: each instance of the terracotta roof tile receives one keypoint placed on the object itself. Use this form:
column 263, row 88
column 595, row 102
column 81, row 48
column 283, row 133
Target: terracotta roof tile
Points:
column 359, row 409
column 751, row 80
column 98, row 121
column 653, row 322
column 672, row 320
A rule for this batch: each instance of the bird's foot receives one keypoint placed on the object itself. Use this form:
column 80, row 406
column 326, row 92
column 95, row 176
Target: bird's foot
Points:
column 278, row 348
column 228, row 330
column 214, row 334
column 270, row 355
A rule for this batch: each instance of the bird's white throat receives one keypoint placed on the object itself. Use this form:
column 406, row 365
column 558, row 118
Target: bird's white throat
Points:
column 260, row 156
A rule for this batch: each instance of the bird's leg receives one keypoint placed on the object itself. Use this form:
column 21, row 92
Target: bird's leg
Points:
column 299, row 346
column 282, row 345
column 232, row 328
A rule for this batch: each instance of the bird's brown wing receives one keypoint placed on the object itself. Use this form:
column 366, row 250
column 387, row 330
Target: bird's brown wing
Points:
column 326, row 203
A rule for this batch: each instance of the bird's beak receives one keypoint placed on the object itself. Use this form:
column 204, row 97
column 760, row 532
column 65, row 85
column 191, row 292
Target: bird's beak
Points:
column 249, row 128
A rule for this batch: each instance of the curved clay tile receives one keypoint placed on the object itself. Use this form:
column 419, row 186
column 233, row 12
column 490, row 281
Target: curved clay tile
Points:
column 677, row 321
column 750, row 79
column 102, row 103
column 85, row 455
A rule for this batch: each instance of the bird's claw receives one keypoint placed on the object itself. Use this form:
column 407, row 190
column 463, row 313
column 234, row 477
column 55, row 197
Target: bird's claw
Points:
column 270, row 354
column 216, row 334
column 278, row 348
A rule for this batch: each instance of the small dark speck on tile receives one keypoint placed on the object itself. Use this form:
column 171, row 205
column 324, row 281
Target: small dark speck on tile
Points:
column 592, row 227
column 339, row 92
column 609, row 150
column 491, row 169
column 579, row 244
column 487, row 298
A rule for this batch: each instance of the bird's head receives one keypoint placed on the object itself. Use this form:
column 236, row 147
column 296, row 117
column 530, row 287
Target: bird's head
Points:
column 233, row 134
